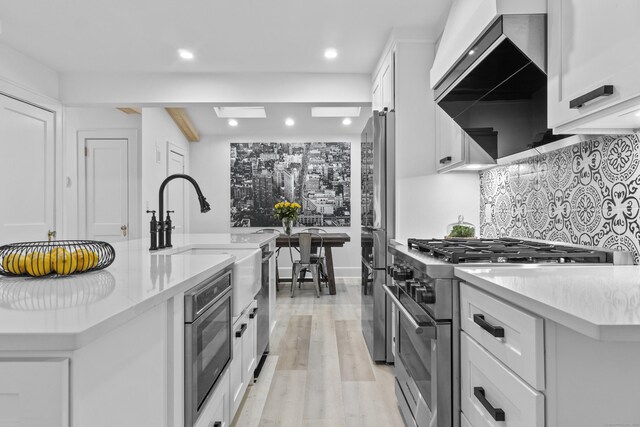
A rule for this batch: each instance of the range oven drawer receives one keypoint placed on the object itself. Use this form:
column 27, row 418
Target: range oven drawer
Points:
column 492, row 395
column 513, row 336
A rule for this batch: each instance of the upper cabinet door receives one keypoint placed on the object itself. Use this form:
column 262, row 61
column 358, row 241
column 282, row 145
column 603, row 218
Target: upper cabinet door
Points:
column 593, row 43
column 387, row 82
column 450, row 149
column 27, row 162
column 383, row 89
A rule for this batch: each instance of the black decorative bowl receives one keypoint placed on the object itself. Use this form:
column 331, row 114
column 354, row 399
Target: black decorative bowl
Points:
column 61, row 257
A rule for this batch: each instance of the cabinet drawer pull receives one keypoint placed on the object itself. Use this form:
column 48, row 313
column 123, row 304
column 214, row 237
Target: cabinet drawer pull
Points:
column 253, row 313
column 496, row 331
column 243, row 328
column 445, row 160
column 496, row 413
column 578, row 102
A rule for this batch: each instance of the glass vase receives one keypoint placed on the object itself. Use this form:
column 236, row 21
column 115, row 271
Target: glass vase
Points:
column 287, row 225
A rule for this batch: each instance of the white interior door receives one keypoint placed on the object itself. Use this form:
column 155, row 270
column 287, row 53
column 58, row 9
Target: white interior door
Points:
column 176, row 191
column 27, row 171
column 107, row 189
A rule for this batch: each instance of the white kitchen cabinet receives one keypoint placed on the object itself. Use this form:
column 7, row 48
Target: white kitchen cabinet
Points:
column 520, row 341
column 383, row 91
column 593, row 43
column 249, row 344
column 587, row 382
column 454, row 148
column 34, row 393
column 216, row 412
column 450, row 142
column 272, row 288
column 489, row 389
column 376, row 95
column 244, row 358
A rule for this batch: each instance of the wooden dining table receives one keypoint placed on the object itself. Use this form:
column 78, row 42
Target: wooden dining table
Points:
column 329, row 241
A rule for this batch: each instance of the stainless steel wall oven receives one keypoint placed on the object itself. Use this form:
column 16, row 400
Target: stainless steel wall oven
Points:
column 207, row 340
column 423, row 363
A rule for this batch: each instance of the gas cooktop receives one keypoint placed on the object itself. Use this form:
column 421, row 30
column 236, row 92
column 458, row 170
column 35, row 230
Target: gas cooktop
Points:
column 505, row 250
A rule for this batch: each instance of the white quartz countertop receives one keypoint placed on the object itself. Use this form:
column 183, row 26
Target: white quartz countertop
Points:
column 602, row 302
column 66, row 313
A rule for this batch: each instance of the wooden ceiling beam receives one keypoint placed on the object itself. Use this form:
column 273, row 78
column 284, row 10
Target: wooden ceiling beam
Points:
column 130, row 110
column 182, row 120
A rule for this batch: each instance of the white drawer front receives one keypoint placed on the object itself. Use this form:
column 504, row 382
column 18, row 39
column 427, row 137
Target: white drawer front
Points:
column 522, row 405
column 464, row 422
column 521, row 348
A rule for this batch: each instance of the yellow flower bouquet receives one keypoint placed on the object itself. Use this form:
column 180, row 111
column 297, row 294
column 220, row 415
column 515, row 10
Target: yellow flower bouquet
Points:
column 286, row 210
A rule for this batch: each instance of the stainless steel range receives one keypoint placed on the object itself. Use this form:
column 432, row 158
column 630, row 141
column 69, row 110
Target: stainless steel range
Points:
column 425, row 295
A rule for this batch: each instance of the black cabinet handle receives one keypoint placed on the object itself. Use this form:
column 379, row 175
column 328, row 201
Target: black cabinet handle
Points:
column 445, row 160
column 605, row 90
column 496, row 331
column 496, row 413
column 243, row 328
column 253, row 313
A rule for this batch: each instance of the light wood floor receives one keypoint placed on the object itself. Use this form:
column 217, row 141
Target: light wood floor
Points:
column 318, row 372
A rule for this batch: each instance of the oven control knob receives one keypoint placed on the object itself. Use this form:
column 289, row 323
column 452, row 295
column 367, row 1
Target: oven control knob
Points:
column 425, row 295
column 412, row 286
column 409, row 273
column 402, row 274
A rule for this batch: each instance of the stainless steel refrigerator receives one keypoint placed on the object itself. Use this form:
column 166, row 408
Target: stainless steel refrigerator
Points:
column 378, row 226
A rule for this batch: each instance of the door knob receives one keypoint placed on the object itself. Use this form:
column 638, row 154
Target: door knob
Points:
column 124, row 230
column 51, row 235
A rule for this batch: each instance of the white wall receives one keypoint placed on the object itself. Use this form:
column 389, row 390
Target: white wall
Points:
column 426, row 202
column 210, row 166
column 77, row 120
column 27, row 74
column 158, row 131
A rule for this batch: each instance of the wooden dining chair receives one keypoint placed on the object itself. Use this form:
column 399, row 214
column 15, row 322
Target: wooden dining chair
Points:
column 272, row 231
column 304, row 263
column 318, row 258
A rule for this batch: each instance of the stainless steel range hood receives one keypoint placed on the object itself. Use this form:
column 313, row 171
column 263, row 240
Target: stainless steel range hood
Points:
column 497, row 90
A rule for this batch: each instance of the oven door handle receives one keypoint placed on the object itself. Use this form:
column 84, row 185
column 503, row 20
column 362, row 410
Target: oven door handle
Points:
column 419, row 327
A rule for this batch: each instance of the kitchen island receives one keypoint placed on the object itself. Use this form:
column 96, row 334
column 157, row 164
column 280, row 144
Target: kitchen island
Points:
column 554, row 346
column 105, row 348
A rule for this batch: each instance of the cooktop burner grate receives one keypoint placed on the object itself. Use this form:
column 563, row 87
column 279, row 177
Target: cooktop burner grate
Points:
column 505, row 250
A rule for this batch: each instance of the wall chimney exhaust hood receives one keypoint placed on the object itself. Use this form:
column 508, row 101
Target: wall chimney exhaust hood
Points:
column 498, row 81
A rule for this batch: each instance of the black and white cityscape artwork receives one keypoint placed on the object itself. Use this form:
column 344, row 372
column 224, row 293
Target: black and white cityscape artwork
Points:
column 317, row 175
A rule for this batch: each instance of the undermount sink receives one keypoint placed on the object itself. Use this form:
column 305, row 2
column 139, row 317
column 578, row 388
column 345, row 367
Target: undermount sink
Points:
column 247, row 272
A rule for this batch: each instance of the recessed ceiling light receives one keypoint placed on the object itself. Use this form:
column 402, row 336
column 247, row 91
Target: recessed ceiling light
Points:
column 289, row 121
column 471, row 52
column 330, row 53
column 185, row 54
column 233, row 122
column 638, row 113
column 346, row 121
column 240, row 112
column 335, row 111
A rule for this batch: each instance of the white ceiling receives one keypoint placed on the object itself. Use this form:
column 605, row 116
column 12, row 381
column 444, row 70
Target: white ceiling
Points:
column 225, row 35
column 207, row 122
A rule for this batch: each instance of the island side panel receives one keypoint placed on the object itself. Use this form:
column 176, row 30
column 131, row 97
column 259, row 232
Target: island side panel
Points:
column 591, row 382
column 121, row 378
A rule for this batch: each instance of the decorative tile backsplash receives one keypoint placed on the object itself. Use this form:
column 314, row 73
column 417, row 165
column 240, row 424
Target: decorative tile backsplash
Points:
column 586, row 194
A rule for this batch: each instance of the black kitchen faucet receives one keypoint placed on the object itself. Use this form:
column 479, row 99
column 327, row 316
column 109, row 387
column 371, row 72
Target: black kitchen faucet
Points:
column 159, row 228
